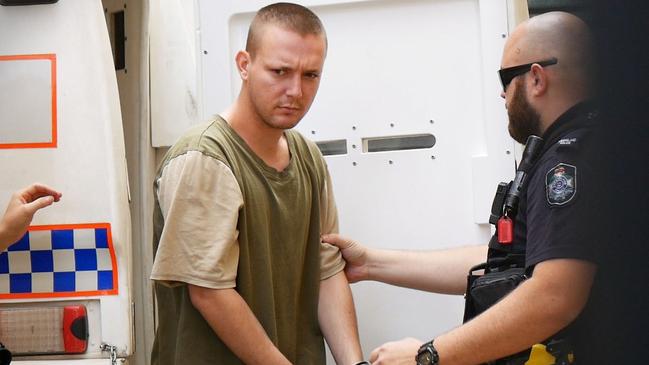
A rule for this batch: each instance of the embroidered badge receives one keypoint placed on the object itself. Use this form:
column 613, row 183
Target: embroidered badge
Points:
column 561, row 184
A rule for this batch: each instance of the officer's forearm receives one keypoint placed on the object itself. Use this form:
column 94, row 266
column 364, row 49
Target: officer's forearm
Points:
column 439, row 271
column 540, row 307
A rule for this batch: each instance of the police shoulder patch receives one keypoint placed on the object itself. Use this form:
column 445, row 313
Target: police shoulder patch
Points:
column 561, row 184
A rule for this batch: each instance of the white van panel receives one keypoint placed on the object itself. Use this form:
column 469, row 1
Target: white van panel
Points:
column 85, row 161
column 175, row 71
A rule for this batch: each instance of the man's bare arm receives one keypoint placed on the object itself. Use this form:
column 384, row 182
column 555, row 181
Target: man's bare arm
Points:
column 337, row 319
column 235, row 324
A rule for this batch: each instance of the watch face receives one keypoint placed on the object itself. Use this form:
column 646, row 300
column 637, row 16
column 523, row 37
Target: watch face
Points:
column 425, row 358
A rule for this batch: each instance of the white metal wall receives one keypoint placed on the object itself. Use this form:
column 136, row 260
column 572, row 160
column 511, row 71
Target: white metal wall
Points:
column 394, row 67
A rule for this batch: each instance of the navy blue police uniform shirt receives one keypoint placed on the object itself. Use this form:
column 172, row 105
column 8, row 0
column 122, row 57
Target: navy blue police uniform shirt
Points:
column 562, row 215
column 554, row 216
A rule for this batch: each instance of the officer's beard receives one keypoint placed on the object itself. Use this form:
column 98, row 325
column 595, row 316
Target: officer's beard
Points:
column 523, row 119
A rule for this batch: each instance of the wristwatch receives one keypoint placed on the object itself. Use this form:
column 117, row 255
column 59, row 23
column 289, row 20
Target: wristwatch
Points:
column 427, row 355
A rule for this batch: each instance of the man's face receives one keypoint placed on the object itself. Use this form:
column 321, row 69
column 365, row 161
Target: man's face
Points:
column 524, row 120
column 284, row 75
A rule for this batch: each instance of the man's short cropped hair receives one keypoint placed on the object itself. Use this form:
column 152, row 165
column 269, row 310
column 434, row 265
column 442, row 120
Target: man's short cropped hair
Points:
column 293, row 17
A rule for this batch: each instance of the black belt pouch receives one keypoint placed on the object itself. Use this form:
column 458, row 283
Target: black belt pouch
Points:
column 485, row 290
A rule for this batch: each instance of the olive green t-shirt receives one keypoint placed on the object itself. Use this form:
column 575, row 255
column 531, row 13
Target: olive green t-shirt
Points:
column 225, row 219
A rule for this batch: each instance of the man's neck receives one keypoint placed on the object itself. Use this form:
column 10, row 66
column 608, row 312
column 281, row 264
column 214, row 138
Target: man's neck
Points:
column 555, row 109
column 266, row 142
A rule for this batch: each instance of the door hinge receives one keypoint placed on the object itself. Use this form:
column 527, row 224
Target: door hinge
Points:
column 113, row 352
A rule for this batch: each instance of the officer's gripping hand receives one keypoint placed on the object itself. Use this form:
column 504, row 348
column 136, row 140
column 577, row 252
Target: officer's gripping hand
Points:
column 355, row 255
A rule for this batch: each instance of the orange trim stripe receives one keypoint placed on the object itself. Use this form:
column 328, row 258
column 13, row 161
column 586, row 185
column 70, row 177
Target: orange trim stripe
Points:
column 58, row 294
column 52, row 227
column 52, row 58
column 37, row 56
column 54, row 106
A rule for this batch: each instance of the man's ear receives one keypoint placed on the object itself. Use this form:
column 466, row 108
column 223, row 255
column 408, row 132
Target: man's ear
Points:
column 539, row 79
column 242, row 59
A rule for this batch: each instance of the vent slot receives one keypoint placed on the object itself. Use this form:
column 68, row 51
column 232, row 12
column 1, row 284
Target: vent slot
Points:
column 332, row 148
column 399, row 143
column 119, row 39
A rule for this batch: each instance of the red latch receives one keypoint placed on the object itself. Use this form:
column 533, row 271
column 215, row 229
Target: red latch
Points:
column 75, row 329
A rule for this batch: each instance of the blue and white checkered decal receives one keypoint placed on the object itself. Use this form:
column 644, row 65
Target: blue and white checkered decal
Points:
column 52, row 262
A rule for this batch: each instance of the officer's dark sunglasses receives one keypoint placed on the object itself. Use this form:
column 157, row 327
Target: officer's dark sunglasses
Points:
column 508, row 74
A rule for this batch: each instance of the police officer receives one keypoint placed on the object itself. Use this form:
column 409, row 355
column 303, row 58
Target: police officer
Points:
column 546, row 76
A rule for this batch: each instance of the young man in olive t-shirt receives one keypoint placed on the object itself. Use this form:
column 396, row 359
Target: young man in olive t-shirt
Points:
column 241, row 202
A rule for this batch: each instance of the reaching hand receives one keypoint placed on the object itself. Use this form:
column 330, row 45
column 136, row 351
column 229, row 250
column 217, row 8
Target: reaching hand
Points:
column 401, row 352
column 354, row 254
column 21, row 209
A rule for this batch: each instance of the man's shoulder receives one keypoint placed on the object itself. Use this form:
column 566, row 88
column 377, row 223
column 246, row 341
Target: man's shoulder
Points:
column 577, row 137
column 201, row 137
column 207, row 138
column 564, row 168
column 573, row 146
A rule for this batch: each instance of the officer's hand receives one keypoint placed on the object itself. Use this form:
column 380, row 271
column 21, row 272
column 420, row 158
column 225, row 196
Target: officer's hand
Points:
column 401, row 352
column 21, row 209
column 354, row 254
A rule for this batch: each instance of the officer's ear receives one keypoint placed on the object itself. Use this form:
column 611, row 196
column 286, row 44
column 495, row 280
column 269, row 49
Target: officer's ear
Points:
column 539, row 80
column 242, row 60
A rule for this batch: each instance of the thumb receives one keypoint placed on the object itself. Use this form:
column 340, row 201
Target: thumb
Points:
column 39, row 203
column 327, row 237
column 337, row 240
column 374, row 355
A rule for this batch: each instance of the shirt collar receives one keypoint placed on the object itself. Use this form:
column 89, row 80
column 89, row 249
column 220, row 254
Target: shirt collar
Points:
column 579, row 114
